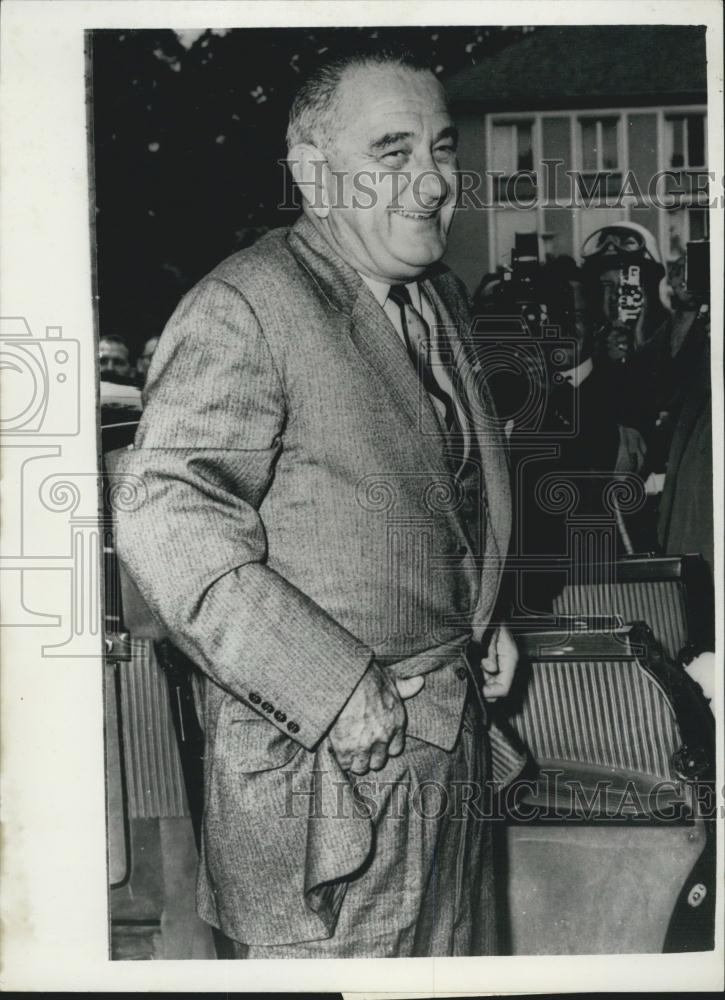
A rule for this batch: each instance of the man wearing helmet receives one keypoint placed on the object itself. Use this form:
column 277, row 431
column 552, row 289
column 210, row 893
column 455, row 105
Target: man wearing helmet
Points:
column 623, row 272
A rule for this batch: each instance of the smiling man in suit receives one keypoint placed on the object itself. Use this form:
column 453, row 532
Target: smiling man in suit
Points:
column 322, row 528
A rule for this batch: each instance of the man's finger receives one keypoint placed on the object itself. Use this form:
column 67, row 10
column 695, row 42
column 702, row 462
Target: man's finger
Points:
column 490, row 666
column 343, row 759
column 360, row 763
column 492, row 693
column 397, row 744
column 378, row 757
column 492, row 684
column 409, row 686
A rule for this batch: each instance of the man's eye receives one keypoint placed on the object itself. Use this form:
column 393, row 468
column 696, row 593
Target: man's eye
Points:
column 395, row 156
column 445, row 151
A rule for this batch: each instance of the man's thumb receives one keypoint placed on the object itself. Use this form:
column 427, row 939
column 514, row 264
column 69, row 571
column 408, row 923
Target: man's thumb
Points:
column 409, row 686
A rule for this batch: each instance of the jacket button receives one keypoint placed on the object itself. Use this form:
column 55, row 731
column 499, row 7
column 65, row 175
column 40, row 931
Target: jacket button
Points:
column 267, row 706
column 280, row 716
column 254, row 698
column 293, row 727
column 461, row 673
column 461, row 551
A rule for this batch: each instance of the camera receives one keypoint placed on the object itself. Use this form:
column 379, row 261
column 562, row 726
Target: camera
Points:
column 41, row 380
column 520, row 286
column 524, row 339
column 630, row 295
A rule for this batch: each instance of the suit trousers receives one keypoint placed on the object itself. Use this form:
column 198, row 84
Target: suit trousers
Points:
column 427, row 889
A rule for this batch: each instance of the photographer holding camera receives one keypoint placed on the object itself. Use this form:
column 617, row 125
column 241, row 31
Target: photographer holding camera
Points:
column 623, row 272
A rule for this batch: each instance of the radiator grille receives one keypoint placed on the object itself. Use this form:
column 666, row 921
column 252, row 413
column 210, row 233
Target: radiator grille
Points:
column 153, row 768
column 607, row 713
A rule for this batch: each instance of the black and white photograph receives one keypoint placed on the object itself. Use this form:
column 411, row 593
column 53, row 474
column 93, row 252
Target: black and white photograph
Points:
column 417, row 495
column 398, row 578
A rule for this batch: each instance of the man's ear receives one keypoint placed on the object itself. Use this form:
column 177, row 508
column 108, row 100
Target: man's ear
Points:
column 311, row 174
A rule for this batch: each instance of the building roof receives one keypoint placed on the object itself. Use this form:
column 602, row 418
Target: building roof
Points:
column 588, row 66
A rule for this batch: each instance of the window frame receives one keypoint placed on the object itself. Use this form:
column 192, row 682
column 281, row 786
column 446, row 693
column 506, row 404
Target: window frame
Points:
column 598, row 119
column 514, row 124
column 684, row 117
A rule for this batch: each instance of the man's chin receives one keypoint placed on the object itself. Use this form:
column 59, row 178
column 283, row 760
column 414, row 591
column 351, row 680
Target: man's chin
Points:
column 418, row 257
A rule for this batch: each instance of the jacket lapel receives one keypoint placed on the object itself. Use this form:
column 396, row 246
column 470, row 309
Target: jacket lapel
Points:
column 374, row 338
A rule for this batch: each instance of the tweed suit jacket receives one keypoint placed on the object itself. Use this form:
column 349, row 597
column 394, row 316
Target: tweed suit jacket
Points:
column 298, row 517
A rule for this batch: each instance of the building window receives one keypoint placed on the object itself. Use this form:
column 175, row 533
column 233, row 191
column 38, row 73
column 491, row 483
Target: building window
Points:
column 513, row 147
column 599, row 139
column 524, row 147
column 512, row 159
column 685, row 138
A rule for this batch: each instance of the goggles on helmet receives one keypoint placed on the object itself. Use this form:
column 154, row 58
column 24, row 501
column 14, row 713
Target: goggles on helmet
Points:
column 615, row 240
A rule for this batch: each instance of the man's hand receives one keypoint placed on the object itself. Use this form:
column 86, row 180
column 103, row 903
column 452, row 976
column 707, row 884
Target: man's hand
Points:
column 499, row 664
column 371, row 726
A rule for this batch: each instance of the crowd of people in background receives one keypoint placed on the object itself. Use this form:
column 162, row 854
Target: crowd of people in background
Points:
column 114, row 360
column 122, row 380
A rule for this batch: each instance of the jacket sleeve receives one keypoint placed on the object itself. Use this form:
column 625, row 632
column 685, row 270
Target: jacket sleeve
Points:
column 194, row 541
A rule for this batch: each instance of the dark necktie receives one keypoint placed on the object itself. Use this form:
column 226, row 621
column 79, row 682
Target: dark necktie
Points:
column 416, row 334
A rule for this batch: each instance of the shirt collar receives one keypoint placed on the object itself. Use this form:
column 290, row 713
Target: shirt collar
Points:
column 380, row 290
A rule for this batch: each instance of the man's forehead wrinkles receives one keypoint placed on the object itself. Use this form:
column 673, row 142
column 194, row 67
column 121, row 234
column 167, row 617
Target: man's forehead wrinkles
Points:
column 404, row 124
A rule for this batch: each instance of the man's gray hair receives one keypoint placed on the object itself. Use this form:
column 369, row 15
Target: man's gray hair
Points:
column 313, row 117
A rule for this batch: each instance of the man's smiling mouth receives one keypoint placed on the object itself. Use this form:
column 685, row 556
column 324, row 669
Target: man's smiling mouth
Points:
column 415, row 215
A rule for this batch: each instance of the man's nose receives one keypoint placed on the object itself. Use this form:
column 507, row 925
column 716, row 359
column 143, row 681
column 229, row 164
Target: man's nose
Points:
column 430, row 187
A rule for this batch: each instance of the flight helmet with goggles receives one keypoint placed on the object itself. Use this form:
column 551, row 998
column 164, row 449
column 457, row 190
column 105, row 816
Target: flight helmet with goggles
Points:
column 621, row 244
